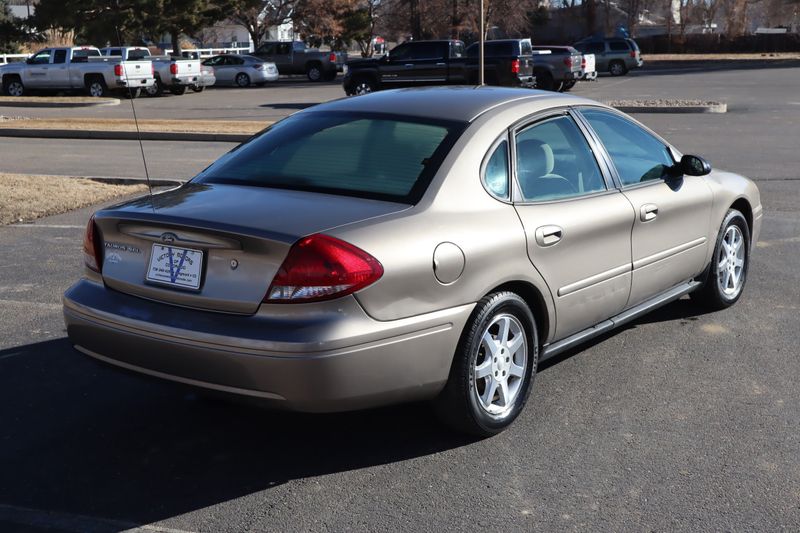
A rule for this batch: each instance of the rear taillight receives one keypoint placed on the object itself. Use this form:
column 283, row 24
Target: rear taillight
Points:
column 92, row 247
column 152, row 69
column 257, row 67
column 118, row 70
column 568, row 62
column 332, row 57
column 583, row 62
column 173, row 68
column 320, row 267
column 515, row 66
column 633, row 54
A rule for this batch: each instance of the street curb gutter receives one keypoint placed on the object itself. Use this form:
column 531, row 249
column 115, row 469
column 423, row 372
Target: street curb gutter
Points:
column 100, row 102
column 123, row 135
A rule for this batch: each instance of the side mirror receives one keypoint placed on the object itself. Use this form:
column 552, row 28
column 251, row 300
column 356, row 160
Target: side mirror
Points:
column 693, row 165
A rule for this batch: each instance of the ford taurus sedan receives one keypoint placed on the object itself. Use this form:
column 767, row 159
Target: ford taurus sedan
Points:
column 418, row 244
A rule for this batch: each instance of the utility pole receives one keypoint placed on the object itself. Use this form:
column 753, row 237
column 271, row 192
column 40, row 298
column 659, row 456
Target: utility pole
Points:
column 480, row 45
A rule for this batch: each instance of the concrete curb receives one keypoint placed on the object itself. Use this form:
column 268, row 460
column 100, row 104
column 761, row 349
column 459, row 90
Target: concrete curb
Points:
column 122, row 135
column 99, row 102
column 154, row 182
column 716, row 108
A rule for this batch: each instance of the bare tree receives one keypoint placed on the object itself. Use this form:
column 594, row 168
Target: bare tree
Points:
column 258, row 16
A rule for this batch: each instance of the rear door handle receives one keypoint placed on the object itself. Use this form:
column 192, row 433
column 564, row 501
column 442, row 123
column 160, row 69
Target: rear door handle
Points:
column 648, row 212
column 548, row 235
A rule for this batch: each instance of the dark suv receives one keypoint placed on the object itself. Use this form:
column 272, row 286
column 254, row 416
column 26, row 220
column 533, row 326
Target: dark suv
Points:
column 616, row 56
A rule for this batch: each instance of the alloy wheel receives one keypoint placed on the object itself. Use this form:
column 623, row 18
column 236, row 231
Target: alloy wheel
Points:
column 15, row 88
column 363, row 88
column 500, row 364
column 730, row 262
column 96, row 89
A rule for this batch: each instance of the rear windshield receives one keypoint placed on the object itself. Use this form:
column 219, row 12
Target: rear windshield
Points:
column 502, row 49
column 84, row 53
column 379, row 156
column 134, row 55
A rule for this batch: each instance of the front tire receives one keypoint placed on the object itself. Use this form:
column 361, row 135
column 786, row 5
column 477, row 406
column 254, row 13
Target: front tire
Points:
column 727, row 272
column 157, row 89
column 178, row 90
column 198, row 88
column 364, row 86
column 493, row 368
column 12, row 86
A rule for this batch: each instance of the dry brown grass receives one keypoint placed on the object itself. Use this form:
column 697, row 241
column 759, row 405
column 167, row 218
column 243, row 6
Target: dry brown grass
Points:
column 192, row 126
column 24, row 198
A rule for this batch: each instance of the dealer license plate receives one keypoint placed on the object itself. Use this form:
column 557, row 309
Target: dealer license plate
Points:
column 178, row 267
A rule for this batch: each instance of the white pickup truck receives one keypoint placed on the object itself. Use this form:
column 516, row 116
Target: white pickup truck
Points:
column 172, row 73
column 75, row 68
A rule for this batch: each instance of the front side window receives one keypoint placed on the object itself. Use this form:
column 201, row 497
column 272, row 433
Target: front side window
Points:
column 637, row 155
column 554, row 161
column 42, row 58
column 353, row 154
column 495, row 174
column 595, row 48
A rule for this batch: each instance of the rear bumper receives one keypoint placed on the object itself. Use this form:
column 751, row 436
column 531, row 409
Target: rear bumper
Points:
column 589, row 76
column 313, row 357
column 184, row 80
column 137, row 84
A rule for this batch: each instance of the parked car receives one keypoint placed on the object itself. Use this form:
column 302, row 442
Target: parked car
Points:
column 207, row 79
column 76, row 68
column 175, row 74
column 241, row 70
column 347, row 258
column 415, row 63
column 616, row 56
column 295, row 58
column 588, row 68
column 559, row 70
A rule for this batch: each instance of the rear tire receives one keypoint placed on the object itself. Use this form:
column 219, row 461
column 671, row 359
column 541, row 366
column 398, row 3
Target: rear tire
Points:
column 242, row 80
column 155, row 90
column 314, row 72
column 96, row 87
column 132, row 94
column 493, row 368
column 178, row 90
column 617, row 68
column 198, row 88
column 13, row 86
column 544, row 81
column 727, row 272
column 567, row 85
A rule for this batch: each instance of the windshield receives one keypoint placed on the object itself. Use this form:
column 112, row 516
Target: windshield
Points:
column 379, row 156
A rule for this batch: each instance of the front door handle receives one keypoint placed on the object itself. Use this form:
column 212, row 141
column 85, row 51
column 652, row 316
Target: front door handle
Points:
column 648, row 212
column 548, row 235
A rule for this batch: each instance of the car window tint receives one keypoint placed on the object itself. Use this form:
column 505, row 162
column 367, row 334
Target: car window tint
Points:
column 284, row 49
column 457, row 50
column 134, row 55
column 495, row 175
column 595, row 48
column 42, row 57
column 236, row 60
column 84, row 53
column 60, row 56
column 554, row 161
column 342, row 153
column 617, row 46
column 400, row 53
column 427, row 51
column 526, row 47
column 637, row 155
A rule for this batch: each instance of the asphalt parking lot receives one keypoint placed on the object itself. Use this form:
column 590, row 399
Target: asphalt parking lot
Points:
column 682, row 421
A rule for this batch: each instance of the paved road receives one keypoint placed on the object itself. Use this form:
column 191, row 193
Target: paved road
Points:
column 683, row 421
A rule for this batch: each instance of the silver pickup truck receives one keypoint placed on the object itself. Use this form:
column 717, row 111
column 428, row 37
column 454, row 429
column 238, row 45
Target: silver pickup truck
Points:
column 173, row 73
column 295, row 58
column 74, row 68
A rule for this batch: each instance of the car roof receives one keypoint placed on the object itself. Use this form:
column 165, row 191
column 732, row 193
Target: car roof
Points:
column 453, row 103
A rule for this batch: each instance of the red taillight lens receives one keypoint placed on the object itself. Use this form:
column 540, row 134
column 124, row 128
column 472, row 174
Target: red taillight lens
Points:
column 173, row 68
column 515, row 66
column 320, row 267
column 568, row 61
column 92, row 247
column 633, row 54
column 257, row 67
column 583, row 62
column 332, row 57
column 152, row 69
column 117, row 70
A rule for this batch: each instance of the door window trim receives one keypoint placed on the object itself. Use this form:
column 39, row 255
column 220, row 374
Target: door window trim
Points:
column 504, row 137
column 542, row 116
column 672, row 151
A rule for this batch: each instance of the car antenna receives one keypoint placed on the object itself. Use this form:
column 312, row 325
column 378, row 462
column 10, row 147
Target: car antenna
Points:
column 136, row 123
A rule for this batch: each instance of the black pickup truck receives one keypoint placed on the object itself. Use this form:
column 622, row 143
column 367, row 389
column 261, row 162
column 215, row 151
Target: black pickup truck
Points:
column 416, row 63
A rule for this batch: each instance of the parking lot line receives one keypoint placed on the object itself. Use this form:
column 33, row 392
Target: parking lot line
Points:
column 23, row 516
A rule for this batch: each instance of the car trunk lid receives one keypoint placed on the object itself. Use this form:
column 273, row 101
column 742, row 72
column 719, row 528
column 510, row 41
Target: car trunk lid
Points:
column 236, row 237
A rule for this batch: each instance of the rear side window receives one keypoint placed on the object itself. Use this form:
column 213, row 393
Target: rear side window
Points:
column 495, row 173
column 60, row 56
column 637, row 155
column 368, row 155
column 618, row 46
column 554, row 161
column 526, row 47
column 456, row 50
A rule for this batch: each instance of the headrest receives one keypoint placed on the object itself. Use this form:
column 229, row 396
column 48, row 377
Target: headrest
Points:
column 535, row 158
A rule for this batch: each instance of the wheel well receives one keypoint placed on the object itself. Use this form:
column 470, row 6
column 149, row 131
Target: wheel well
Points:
column 89, row 77
column 9, row 77
column 535, row 301
column 313, row 63
column 743, row 206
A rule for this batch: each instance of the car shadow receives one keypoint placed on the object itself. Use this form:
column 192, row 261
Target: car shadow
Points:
column 683, row 310
column 79, row 437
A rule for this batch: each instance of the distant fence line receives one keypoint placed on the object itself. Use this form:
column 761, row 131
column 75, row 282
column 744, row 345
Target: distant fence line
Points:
column 208, row 52
column 698, row 43
column 11, row 58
